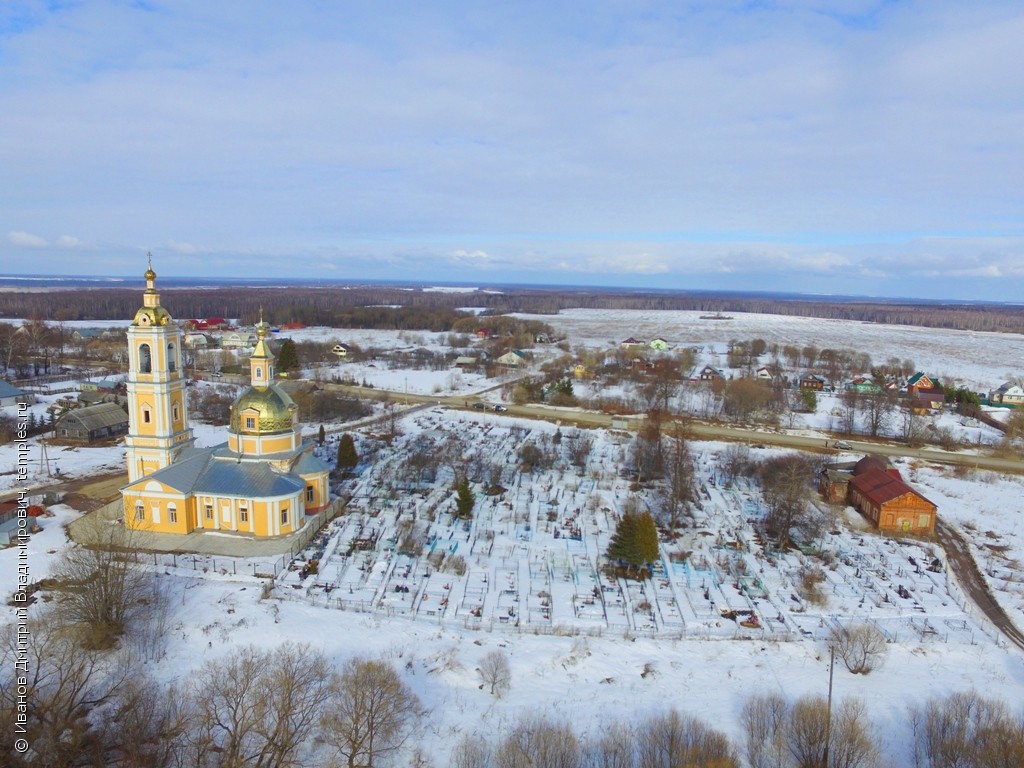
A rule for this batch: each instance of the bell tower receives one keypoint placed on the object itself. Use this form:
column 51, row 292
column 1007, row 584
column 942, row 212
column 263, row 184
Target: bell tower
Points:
column 157, row 420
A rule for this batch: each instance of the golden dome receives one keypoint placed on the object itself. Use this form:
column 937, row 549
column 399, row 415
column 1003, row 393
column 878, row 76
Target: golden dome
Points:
column 150, row 274
column 269, row 408
column 152, row 316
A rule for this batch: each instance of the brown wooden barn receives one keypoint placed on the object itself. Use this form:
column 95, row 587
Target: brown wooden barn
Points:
column 878, row 492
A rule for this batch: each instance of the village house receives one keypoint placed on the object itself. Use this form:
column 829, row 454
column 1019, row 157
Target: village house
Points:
column 465, row 362
column 632, row 343
column 658, row 344
column 579, row 371
column 197, row 340
column 925, row 393
column 812, row 381
column 237, row 340
column 92, row 423
column 710, row 373
column 514, row 359
column 862, row 385
column 341, row 350
column 1009, row 394
column 877, row 490
column 11, row 395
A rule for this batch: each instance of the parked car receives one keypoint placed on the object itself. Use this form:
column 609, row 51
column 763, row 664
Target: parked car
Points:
column 479, row 406
column 843, row 446
column 499, row 408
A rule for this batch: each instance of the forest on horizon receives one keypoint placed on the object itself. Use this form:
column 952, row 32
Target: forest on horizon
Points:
column 385, row 307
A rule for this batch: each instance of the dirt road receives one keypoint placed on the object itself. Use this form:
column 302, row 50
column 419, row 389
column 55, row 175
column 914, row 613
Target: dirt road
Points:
column 962, row 564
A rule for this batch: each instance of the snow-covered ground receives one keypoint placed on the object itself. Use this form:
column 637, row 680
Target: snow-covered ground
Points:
column 978, row 360
column 577, row 640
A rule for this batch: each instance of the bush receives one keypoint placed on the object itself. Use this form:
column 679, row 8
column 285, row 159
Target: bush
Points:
column 862, row 647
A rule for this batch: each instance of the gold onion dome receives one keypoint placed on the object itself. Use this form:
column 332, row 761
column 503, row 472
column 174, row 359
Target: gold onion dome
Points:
column 152, row 316
column 273, row 411
column 150, row 274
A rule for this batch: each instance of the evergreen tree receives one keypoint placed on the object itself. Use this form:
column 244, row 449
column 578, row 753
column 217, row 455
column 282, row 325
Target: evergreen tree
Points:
column 288, row 356
column 635, row 541
column 321, row 435
column 465, row 500
column 347, row 456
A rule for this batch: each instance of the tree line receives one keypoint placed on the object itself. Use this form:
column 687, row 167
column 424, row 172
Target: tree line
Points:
column 401, row 308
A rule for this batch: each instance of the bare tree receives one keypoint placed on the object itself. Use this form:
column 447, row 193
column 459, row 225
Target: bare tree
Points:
column 678, row 490
column 370, row 712
column 671, row 739
column 65, row 682
column 878, row 409
column 614, row 749
column 536, row 742
column 862, row 647
column 471, row 752
column 851, row 407
column 100, row 588
column 966, row 730
column 846, row 739
column 785, row 485
column 764, row 723
column 256, row 708
column 808, row 731
column 579, row 444
column 495, row 672
column 153, row 725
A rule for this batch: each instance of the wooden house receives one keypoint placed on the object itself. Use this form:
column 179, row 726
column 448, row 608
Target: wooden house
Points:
column 812, row 381
column 879, row 493
column 92, row 423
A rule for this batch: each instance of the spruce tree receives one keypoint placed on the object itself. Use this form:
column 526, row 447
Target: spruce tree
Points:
column 464, row 500
column 347, row 456
column 635, row 541
column 288, row 356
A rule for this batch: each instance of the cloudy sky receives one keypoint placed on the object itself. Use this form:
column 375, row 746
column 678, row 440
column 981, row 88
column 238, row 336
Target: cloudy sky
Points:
column 819, row 146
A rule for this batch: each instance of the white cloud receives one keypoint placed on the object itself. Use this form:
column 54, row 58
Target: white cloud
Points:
column 26, row 240
column 187, row 249
column 67, row 241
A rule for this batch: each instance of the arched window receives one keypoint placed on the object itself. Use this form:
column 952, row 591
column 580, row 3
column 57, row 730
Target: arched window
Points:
column 177, row 413
column 140, row 511
column 172, row 512
column 145, row 359
column 172, row 361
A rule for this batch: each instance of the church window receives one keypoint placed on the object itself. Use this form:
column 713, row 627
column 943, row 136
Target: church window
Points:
column 172, row 361
column 259, row 373
column 250, row 422
column 309, row 494
column 140, row 511
column 284, row 517
column 146, row 415
column 243, row 515
column 176, row 412
column 145, row 359
column 209, row 511
column 172, row 512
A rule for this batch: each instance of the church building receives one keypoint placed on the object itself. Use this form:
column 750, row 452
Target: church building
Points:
column 262, row 481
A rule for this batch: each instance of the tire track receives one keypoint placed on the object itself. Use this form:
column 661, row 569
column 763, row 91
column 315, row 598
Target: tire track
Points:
column 960, row 560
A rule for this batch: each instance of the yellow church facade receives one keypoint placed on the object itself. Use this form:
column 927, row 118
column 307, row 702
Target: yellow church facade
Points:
column 262, row 481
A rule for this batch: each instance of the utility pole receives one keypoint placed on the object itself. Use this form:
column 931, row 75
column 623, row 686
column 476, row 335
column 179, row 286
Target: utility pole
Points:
column 828, row 724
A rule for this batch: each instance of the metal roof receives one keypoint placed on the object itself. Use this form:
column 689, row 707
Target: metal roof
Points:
column 97, row 416
column 220, row 475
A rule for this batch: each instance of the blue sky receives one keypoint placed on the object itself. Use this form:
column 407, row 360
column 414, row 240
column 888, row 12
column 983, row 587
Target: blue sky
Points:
column 819, row 146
